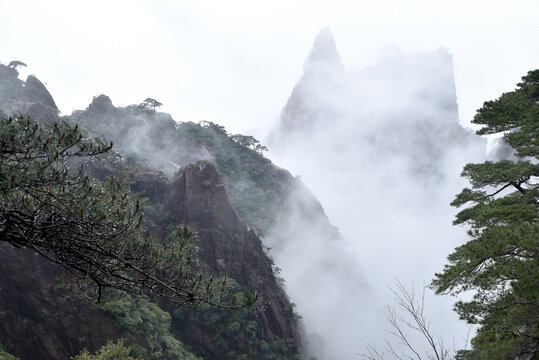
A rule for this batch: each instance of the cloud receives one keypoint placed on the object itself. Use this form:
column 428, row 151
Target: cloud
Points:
column 382, row 148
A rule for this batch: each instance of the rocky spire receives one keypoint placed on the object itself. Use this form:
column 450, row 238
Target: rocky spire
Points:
column 323, row 56
column 101, row 104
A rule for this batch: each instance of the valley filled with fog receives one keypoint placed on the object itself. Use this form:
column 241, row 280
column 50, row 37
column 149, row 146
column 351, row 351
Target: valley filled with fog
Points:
column 334, row 135
column 382, row 149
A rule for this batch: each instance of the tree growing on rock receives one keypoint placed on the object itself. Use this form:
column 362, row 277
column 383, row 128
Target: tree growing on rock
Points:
column 110, row 351
column 249, row 142
column 148, row 106
column 92, row 228
column 14, row 63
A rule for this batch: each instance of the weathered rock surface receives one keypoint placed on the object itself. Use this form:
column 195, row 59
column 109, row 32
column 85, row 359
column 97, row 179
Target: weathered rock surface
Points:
column 37, row 318
column 198, row 196
column 195, row 195
column 101, row 104
column 28, row 98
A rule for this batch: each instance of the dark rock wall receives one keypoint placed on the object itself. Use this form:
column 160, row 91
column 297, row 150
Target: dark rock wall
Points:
column 227, row 247
column 37, row 318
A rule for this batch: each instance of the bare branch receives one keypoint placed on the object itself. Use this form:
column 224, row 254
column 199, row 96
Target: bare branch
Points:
column 409, row 314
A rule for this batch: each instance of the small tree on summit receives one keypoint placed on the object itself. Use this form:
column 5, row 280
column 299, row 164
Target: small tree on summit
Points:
column 13, row 64
column 249, row 142
column 148, row 105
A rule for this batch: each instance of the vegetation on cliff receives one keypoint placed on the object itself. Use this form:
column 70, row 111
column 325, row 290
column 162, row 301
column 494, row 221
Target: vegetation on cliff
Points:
column 254, row 184
column 90, row 227
column 5, row 355
column 138, row 317
column 95, row 229
column 242, row 326
column 149, row 139
column 111, row 351
column 63, row 183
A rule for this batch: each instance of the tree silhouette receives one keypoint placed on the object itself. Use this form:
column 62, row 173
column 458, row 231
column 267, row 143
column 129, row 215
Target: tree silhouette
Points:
column 148, row 105
column 14, row 63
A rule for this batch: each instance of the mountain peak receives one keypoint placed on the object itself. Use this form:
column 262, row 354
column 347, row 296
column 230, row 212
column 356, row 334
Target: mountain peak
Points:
column 323, row 55
column 101, row 104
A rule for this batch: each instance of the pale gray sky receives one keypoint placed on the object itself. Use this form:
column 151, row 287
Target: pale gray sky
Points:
column 235, row 62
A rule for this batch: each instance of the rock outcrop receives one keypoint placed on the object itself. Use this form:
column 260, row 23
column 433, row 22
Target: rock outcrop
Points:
column 101, row 104
column 375, row 145
column 323, row 58
column 30, row 97
column 198, row 197
column 404, row 106
column 38, row 320
column 148, row 138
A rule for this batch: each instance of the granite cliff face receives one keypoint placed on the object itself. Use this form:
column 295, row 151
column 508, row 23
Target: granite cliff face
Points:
column 30, row 97
column 32, row 291
column 262, row 192
column 198, row 196
column 266, row 197
column 314, row 98
column 37, row 318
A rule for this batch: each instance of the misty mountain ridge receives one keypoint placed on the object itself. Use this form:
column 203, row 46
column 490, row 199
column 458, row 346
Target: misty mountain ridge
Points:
column 26, row 97
column 404, row 106
column 196, row 158
column 381, row 147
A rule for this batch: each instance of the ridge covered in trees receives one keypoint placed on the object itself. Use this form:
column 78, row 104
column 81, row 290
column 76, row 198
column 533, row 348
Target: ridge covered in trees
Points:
column 92, row 228
column 118, row 225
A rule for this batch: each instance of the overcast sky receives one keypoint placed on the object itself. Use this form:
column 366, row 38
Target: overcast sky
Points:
column 235, row 62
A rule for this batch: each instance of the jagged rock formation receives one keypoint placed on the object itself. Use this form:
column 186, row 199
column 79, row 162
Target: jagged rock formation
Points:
column 271, row 200
column 261, row 191
column 101, row 104
column 30, row 97
column 307, row 105
column 378, row 146
column 404, row 106
column 193, row 193
column 323, row 58
column 149, row 138
column 198, row 196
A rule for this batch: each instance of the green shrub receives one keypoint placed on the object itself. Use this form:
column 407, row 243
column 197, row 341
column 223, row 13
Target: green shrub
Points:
column 141, row 317
column 5, row 355
column 111, row 351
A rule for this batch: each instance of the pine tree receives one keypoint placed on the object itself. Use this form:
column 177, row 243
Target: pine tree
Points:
column 94, row 229
column 500, row 263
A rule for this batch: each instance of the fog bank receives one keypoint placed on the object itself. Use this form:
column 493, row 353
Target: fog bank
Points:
column 382, row 149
